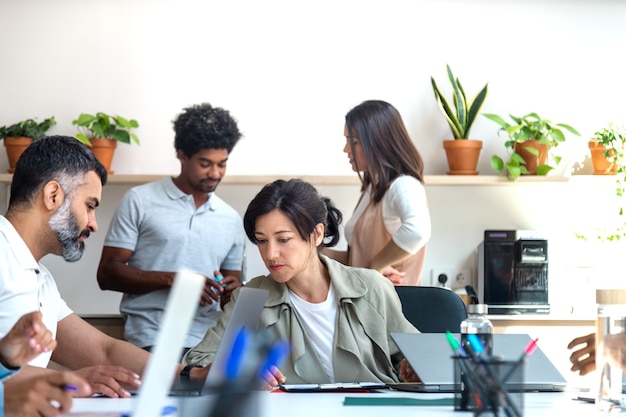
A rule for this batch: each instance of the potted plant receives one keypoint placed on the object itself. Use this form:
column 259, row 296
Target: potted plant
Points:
column 531, row 143
column 462, row 153
column 102, row 132
column 607, row 150
column 19, row 135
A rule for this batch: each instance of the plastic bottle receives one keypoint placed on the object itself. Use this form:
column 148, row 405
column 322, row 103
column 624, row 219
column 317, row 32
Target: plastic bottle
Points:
column 477, row 323
column 610, row 339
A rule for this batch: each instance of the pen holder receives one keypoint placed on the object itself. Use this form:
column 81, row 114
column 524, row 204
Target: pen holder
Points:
column 491, row 385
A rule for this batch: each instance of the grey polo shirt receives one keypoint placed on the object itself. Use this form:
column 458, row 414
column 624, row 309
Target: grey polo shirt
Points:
column 161, row 225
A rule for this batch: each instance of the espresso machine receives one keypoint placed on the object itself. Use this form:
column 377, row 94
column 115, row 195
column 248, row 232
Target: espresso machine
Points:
column 513, row 272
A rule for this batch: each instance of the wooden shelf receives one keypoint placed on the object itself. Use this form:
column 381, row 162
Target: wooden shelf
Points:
column 430, row 180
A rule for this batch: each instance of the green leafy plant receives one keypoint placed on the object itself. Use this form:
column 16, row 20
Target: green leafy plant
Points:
column 526, row 128
column 465, row 111
column 613, row 138
column 29, row 128
column 104, row 126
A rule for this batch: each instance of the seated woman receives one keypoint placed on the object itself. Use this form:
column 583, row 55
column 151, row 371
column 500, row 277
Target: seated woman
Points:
column 338, row 319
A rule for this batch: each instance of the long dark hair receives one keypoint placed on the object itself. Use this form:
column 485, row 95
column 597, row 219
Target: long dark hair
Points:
column 387, row 146
column 301, row 203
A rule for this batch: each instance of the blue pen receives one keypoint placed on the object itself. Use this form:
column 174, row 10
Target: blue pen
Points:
column 68, row 387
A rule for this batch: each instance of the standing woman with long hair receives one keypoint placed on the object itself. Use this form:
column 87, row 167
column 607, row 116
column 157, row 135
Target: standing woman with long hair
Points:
column 390, row 227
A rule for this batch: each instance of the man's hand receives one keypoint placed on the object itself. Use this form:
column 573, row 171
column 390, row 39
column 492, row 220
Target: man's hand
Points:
column 26, row 340
column 46, row 394
column 230, row 283
column 614, row 348
column 109, row 380
column 213, row 289
column 584, row 357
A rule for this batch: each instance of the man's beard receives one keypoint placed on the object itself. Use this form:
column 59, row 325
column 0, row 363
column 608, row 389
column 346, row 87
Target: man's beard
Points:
column 64, row 224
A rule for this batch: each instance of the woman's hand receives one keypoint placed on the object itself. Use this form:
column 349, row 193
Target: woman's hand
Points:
column 584, row 356
column 273, row 377
column 393, row 275
column 407, row 373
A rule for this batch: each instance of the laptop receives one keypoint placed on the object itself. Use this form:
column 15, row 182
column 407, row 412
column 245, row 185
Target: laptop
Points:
column 152, row 397
column 430, row 356
column 246, row 313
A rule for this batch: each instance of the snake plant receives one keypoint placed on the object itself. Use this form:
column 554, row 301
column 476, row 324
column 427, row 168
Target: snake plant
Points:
column 465, row 111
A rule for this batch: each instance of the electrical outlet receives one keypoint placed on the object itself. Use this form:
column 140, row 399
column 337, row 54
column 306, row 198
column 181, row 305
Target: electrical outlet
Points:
column 460, row 278
column 453, row 278
column 441, row 277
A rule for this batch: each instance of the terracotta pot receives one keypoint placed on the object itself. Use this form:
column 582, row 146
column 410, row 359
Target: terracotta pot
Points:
column 104, row 149
column 601, row 165
column 532, row 161
column 462, row 155
column 15, row 146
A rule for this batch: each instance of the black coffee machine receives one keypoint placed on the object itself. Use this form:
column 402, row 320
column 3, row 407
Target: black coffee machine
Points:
column 513, row 272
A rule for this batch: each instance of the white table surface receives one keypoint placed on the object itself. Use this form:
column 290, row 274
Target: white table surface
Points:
column 331, row 404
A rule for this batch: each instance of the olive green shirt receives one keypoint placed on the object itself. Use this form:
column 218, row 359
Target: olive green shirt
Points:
column 369, row 310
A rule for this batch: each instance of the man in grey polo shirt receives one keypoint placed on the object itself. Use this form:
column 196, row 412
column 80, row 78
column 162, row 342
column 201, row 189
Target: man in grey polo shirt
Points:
column 177, row 222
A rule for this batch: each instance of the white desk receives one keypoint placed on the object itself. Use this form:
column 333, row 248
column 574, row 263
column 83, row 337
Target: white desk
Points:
column 331, row 405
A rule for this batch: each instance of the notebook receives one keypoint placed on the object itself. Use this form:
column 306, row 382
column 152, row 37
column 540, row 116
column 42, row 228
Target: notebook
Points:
column 246, row 313
column 430, row 355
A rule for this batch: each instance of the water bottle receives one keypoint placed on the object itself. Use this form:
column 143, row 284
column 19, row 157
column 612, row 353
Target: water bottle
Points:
column 610, row 341
column 477, row 323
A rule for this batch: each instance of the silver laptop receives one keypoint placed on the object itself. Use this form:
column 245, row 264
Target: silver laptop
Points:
column 430, row 355
column 152, row 398
column 246, row 313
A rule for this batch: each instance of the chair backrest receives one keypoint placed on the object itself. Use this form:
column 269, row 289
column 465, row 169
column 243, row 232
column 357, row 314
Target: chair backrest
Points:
column 432, row 309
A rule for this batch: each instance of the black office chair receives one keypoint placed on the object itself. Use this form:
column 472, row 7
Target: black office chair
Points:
column 432, row 309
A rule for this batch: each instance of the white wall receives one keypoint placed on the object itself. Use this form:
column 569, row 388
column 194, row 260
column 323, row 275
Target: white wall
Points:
column 289, row 71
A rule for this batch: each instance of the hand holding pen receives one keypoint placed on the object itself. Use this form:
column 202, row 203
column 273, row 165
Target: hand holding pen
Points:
column 213, row 289
column 44, row 394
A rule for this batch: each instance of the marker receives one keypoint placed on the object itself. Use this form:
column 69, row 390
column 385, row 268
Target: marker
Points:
column 167, row 410
column 530, row 348
column 219, row 278
column 476, row 344
column 235, row 360
column 275, row 356
column 491, row 380
column 69, row 387
column 474, row 384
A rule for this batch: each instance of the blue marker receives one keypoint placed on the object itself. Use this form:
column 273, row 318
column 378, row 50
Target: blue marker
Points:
column 167, row 410
column 240, row 344
column 219, row 278
column 476, row 344
column 275, row 356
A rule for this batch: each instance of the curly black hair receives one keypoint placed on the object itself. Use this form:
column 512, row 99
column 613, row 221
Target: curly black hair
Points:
column 203, row 126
